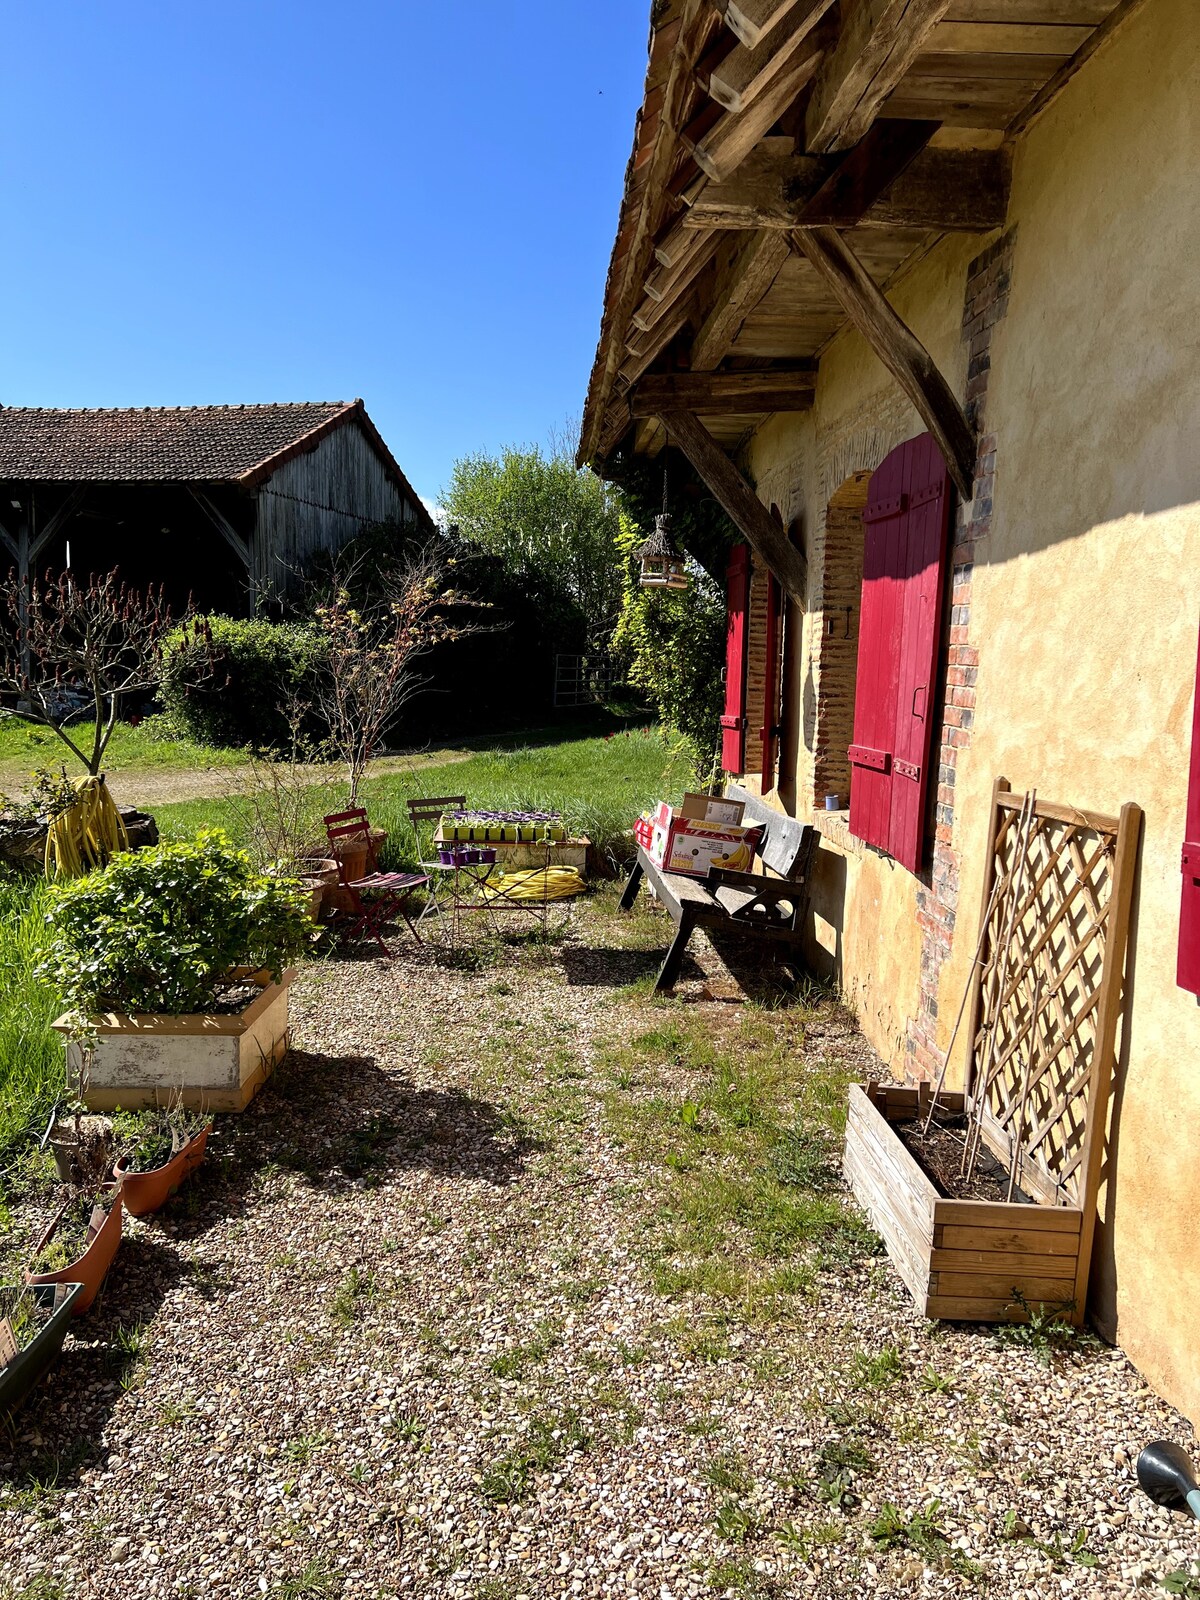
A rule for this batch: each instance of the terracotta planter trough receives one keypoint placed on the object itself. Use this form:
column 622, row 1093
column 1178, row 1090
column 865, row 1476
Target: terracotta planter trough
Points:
column 207, row 1061
column 29, row 1366
column 145, row 1192
column 90, row 1270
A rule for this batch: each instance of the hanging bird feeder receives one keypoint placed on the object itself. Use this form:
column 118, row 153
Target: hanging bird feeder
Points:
column 664, row 566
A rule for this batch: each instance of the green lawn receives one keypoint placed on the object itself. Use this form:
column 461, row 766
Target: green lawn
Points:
column 26, row 745
column 599, row 784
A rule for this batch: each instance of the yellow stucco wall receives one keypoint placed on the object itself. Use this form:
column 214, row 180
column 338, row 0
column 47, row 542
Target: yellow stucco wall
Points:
column 1085, row 603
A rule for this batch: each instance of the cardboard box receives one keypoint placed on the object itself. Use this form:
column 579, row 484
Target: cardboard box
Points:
column 712, row 808
column 692, row 847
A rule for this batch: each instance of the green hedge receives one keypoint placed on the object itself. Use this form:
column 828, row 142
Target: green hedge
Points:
column 257, row 668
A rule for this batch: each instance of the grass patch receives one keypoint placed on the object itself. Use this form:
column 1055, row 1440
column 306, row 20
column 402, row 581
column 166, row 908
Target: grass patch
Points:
column 25, row 745
column 550, row 1437
column 745, row 1158
column 32, row 1063
column 599, row 785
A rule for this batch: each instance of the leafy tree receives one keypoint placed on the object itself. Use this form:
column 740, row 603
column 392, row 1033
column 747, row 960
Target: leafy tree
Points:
column 674, row 644
column 546, row 520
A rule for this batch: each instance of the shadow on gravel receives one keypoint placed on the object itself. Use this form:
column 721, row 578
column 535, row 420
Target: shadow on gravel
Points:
column 54, row 1435
column 604, row 967
column 344, row 1123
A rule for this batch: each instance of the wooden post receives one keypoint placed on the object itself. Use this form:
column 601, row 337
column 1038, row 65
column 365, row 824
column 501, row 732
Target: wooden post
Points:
column 1001, row 786
column 905, row 357
column 1108, row 1014
column 740, row 503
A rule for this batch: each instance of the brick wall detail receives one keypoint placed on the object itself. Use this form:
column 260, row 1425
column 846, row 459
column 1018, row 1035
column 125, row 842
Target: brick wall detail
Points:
column 988, row 278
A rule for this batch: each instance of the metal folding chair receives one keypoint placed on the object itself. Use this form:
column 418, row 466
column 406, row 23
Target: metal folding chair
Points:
column 375, row 897
column 425, row 814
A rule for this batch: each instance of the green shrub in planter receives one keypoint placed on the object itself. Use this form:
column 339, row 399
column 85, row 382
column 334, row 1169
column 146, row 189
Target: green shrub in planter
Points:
column 161, row 930
column 258, row 668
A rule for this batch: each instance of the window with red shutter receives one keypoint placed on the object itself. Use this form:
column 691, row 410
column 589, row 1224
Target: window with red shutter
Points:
column 905, row 528
column 733, row 723
column 770, row 729
column 1187, row 970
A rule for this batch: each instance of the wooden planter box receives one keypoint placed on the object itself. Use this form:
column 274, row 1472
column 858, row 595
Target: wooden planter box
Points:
column 963, row 1260
column 213, row 1062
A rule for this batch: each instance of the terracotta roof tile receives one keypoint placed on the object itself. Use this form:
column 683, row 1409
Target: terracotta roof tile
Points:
column 152, row 444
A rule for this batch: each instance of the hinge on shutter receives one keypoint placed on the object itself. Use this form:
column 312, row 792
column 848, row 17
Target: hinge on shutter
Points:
column 1190, row 864
column 737, row 723
column 906, row 770
column 880, row 509
column 861, row 755
column 931, row 491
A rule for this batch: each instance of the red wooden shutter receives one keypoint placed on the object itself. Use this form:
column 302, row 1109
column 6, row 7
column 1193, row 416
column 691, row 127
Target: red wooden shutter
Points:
column 770, row 727
column 1187, row 972
column 904, row 572
column 733, row 723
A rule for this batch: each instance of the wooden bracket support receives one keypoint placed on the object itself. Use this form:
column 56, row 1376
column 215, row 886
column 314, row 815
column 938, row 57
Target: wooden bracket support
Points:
column 894, row 342
column 740, row 503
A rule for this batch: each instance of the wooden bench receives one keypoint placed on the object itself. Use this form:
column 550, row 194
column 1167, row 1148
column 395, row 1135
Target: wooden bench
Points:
column 742, row 902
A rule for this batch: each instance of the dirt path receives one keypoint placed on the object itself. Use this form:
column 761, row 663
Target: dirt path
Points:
column 492, row 1294
column 149, row 786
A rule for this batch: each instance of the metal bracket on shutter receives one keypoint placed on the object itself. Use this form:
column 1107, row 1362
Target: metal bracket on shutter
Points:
column 735, row 723
column 879, row 510
column 861, row 755
column 931, row 491
column 905, row 769
column 1190, row 863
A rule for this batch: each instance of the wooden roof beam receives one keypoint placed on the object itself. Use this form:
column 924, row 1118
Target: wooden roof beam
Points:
column 953, row 191
column 738, row 500
column 878, row 42
column 886, row 150
column 741, row 75
column 719, row 148
column 725, row 394
column 749, row 268
column 752, row 20
column 905, row 357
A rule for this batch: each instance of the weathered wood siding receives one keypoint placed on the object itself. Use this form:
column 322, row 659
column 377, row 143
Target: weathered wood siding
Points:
column 319, row 501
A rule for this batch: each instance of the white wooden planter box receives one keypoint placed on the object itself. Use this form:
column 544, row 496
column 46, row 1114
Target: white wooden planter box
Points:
column 563, row 853
column 213, row 1062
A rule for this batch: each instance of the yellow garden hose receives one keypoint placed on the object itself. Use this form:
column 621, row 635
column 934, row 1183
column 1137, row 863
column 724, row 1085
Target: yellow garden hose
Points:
column 87, row 833
column 538, row 883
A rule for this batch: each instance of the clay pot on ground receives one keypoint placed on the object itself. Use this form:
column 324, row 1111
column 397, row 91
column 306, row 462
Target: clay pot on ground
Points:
column 145, row 1192
column 319, row 875
column 90, row 1268
column 56, row 1306
column 83, row 1149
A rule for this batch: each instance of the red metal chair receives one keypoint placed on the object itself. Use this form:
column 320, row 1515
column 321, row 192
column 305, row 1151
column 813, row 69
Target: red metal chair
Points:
column 375, row 897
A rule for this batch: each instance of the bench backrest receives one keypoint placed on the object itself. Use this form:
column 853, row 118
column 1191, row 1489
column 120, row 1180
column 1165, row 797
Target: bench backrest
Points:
column 786, row 844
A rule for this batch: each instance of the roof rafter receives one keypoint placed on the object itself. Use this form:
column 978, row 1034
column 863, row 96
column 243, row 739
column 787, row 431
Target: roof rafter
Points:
column 878, row 42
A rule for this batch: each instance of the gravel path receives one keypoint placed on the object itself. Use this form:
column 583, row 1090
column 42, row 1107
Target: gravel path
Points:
column 402, row 1336
column 157, row 786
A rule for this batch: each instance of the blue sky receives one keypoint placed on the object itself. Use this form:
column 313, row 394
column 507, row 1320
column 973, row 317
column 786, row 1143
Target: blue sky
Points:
column 259, row 200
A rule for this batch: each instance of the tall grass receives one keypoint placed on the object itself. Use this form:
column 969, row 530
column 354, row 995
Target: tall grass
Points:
column 599, row 785
column 31, row 1054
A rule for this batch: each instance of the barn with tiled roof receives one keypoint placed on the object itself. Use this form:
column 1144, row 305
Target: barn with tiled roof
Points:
column 221, row 503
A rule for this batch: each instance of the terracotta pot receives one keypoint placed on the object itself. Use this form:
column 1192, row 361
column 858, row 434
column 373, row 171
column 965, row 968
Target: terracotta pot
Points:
column 352, row 854
column 90, row 1270
column 319, row 874
column 83, row 1156
column 145, row 1192
column 19, row 1375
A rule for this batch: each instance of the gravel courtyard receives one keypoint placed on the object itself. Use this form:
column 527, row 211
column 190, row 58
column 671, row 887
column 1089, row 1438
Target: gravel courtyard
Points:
column 517, row 1282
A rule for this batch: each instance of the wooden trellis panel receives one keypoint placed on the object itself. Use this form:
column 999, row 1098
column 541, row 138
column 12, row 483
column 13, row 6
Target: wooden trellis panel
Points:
column 1045, row 1074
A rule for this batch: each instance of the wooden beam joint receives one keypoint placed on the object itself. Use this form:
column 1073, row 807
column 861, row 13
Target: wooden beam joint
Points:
column 905, row 357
